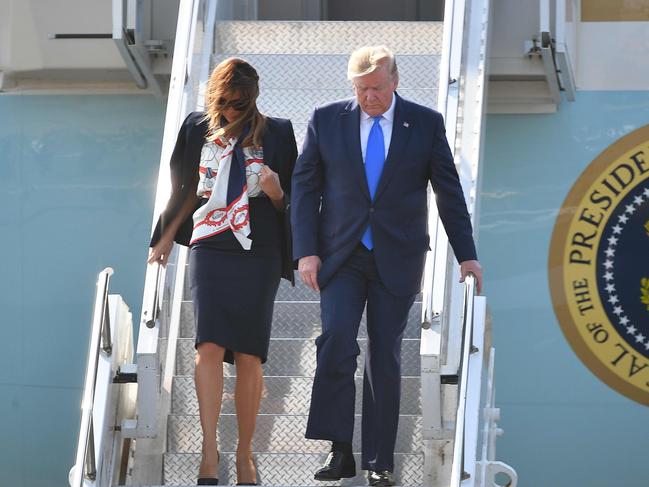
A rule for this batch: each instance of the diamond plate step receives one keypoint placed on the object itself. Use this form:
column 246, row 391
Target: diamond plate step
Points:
column 296, row 358
column 297, row 105
column 278, row 434
column 285, row 292
column 299, row 320
column 285, row 469
column 282, row 395
column 322, row 38
column 300, row 292
column 305, row 65
column 325, row 72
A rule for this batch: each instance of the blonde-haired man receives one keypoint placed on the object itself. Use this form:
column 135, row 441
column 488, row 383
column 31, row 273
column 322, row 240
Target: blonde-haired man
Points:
column 367, row 59
column 359, row 216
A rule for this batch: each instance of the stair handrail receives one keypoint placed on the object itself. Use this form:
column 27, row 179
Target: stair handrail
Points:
column 157, row 277
column 457, row 467
column 151, row 306
column 435, row 291
column 100, row 341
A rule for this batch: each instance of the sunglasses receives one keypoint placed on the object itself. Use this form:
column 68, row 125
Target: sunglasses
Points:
column 237, row 105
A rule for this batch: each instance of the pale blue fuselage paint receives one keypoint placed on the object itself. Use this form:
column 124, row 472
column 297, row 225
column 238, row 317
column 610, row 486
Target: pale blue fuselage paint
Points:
column 77, row 182
column 77, row 186
column 563, row 426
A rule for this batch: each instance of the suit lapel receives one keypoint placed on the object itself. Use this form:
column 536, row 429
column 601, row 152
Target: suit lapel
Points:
column 351, row 119
column 269, row 148
column 401, row 129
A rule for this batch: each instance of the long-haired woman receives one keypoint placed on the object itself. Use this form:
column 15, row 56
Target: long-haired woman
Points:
column 230, row 170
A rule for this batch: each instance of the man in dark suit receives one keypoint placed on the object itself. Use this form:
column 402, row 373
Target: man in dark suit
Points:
column 359, row 215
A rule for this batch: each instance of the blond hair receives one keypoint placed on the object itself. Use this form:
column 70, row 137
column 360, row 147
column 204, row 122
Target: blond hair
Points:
column 367, row 59
column 230, row 76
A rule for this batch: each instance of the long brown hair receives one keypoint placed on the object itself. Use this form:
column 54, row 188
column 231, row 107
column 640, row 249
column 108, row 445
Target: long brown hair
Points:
column 230, row 76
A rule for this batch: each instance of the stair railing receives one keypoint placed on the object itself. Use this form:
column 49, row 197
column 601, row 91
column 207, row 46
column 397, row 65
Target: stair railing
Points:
column 487, row 468
column 158, row 281
column 441, row 296
column 457, row 468
column 100, row 342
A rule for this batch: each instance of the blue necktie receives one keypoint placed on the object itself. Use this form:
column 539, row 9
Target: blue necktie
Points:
column 374, row 159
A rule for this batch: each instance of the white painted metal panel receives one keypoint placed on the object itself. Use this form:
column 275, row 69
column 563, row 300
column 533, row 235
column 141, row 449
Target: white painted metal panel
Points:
column 613, row 56
column 34, row 21
column 514, row 21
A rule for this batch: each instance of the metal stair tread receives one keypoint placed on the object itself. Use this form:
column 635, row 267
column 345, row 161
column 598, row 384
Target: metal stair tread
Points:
column 279, row 433
column 308, row 72
column 297, row 357
column 281, row 415
column 283, row 395
column 299, row 319
column 286, row 469
column 325, row 37
column 286, row 292
column 232, row 377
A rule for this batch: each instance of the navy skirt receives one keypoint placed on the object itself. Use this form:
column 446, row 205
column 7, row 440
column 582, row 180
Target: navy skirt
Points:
column 233, row 290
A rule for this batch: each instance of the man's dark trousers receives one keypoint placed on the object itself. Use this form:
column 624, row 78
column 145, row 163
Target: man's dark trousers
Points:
column 342, row 301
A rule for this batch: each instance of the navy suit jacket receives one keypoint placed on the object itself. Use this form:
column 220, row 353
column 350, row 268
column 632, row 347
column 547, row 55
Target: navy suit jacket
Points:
column 331, row 204
column 280, row 153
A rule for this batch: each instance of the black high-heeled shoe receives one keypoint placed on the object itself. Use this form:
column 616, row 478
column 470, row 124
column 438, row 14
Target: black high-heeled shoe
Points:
column 210, row 480
column 250, row 483
column 207, row 481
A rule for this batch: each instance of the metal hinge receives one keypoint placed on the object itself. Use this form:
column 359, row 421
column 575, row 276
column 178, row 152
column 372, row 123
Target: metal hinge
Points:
column 126, row 374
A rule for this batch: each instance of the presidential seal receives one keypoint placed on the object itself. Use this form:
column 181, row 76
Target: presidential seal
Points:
column 599, row 266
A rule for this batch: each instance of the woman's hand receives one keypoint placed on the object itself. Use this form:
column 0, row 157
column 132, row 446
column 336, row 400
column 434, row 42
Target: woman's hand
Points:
column 269, row 182
column 160, row 252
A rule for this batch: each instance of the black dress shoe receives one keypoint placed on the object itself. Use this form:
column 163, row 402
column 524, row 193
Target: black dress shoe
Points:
column 380, row 478
column 207, row 481
column 338, row 466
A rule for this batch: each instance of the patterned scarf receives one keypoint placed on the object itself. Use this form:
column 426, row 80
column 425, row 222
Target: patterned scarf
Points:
column 227, row 206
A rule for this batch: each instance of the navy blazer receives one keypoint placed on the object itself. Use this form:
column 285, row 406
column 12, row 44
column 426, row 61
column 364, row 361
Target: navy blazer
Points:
column 280, row 153
column 330, row 199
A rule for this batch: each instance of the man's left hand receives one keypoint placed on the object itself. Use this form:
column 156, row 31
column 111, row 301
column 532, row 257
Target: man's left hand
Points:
column 472, row 267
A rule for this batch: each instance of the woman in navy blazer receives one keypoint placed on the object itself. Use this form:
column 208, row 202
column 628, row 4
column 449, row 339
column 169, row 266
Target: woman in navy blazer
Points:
column 231, row 176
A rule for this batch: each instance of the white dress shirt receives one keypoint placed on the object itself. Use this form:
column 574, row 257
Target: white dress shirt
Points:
column 386, row 126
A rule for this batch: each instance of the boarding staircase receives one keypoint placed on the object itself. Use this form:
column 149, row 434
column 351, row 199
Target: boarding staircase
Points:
column 447, row 423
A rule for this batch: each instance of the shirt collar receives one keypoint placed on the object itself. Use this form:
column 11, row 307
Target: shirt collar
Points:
column 388, row 115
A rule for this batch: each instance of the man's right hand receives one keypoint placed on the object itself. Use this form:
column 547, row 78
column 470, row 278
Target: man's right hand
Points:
column 308, row 268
